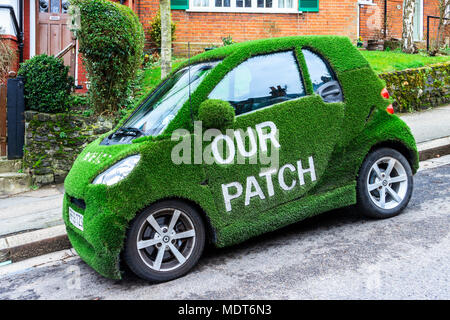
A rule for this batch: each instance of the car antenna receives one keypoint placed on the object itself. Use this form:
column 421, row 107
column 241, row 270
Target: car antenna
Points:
column 189, row 79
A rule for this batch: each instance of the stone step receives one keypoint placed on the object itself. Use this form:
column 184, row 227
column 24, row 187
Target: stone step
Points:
column 10, row 165
column 14, row 182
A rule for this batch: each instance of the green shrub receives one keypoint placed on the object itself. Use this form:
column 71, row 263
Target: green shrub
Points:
column 47, row 83
column 111, row 40
column 155, row 31
column 215, row 113
column 227, row 40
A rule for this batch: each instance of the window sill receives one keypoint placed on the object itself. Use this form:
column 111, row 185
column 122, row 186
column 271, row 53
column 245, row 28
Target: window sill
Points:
column 249, row 10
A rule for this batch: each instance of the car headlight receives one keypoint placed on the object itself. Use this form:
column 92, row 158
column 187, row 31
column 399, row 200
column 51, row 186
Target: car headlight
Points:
column 118, row 171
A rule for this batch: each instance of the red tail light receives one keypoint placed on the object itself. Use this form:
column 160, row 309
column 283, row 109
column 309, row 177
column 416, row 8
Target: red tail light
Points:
column 390, row 109
column 385, row 93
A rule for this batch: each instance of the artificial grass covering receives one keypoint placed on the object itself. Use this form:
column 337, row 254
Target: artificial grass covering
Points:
column 337, row 136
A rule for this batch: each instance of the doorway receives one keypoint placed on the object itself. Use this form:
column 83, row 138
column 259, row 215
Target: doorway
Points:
column 53, row 30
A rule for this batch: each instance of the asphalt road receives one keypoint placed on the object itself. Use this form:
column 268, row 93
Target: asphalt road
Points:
column 338, row 255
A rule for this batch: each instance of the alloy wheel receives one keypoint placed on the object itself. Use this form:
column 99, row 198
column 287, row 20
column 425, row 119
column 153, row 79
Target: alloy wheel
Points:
column 387, row 183
column 166, row 239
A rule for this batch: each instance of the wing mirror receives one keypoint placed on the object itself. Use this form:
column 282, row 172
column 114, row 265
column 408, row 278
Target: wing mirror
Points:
column 216, row 114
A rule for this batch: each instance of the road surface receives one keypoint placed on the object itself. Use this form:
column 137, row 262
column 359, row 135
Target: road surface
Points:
column 338, row 255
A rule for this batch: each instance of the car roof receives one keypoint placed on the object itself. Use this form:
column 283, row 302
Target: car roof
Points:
column 338, row 50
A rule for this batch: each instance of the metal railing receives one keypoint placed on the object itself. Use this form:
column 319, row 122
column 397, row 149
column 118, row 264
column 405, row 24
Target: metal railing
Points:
column 428, row 29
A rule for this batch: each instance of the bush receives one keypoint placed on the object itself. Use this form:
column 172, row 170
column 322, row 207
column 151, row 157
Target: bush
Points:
column 215, row 113
column 47, row 83
column 155, row 31
column 111, row 40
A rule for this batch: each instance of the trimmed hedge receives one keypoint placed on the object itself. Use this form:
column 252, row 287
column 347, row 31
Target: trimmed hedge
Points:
column 216, row 113
column 47, row 83
column 111, row 39
column 418, row 89
column 337, row 135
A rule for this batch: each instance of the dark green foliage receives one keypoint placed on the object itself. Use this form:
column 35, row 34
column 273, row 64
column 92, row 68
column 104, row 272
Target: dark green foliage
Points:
column 227, row 40
column 155, row 31
column 47, row 83
column 111, row 40
column 337, row 135
column 216, row 114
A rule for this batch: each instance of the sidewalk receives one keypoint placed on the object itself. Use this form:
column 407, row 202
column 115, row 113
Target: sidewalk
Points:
column 23, row 214
column 430, row 124
column 31, row 210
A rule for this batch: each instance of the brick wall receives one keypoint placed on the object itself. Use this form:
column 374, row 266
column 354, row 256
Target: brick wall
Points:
column 372, row 18
column 204, row 29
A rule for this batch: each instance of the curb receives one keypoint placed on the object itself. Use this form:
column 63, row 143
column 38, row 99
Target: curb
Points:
column 433, row 148
column 36, row 243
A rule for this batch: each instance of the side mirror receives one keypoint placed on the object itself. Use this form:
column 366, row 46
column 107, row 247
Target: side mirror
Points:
column 216, row 114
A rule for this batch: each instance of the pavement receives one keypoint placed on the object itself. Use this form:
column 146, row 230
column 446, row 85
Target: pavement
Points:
column 39, row 211
column 429, row 124
column 336, row 255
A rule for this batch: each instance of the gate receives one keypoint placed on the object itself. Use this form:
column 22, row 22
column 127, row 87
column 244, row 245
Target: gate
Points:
column 16, row 118
column 2, row 120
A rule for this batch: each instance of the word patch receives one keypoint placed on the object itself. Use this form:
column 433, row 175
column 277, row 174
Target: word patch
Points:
column 234, row 190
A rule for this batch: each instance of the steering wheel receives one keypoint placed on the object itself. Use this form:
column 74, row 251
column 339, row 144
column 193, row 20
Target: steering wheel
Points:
column 330, row 92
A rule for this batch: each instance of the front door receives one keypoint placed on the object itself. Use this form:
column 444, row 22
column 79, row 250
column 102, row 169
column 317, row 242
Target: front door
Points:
column 300, row 131
column 53, row 30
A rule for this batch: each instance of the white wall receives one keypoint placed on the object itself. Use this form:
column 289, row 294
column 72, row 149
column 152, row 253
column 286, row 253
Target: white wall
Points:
column 5, row 18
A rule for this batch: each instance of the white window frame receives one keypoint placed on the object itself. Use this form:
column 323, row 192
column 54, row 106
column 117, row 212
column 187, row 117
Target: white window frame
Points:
column 252, row 9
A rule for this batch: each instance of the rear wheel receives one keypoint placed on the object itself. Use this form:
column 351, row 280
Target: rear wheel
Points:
column 165, row 241
column 385, row 184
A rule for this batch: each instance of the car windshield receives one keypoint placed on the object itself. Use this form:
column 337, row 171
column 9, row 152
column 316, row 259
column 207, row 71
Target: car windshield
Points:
column 162, row 106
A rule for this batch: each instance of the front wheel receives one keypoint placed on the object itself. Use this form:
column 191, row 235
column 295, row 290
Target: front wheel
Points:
column 385, row 184
column 165, row 241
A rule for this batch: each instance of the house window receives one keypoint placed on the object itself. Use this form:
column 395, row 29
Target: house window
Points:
column 223, row 3
column 253, row 6
column 201, row 3
column 242, row 3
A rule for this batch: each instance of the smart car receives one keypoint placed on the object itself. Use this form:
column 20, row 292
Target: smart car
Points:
column 238, row 141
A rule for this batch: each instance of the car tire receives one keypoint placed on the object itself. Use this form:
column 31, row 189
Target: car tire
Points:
column 384, row 184
column 158, row 249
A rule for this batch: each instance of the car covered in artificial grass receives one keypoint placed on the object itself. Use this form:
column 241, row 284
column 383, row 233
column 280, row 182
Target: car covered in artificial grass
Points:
column 289, row 128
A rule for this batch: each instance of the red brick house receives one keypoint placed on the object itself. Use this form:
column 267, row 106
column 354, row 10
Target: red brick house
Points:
column 204, row 22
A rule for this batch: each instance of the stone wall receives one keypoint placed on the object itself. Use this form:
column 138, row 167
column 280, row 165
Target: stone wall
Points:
column 53, row 141
column 418, row 89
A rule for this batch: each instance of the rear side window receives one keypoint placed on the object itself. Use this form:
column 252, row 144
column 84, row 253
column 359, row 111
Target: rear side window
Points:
column 261, row 81
column 322, row 77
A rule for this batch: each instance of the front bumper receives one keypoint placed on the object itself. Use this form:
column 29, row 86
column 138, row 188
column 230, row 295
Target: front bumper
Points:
column 100, row 242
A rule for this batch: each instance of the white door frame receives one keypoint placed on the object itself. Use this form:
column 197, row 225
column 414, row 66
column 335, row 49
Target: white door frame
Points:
column 421, row 21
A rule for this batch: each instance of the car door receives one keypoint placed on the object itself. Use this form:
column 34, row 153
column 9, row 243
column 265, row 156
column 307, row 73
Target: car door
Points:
column 295, row 135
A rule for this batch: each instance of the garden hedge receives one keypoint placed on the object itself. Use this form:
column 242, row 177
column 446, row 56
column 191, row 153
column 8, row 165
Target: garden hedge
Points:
column 111, row 39
column 47, row 83
column 338, row 135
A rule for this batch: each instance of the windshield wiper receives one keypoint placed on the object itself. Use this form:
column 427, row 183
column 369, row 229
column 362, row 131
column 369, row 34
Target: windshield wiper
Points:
column 129, row 131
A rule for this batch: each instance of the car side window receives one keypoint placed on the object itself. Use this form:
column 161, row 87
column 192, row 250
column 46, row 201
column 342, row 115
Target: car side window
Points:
column 261, row 81
column 322, row 77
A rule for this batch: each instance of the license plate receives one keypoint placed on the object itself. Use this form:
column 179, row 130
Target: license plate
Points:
column 76, row 219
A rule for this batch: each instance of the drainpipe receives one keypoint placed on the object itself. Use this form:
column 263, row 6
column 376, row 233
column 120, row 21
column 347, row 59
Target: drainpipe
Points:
column 385, row 19
column 21, row 30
